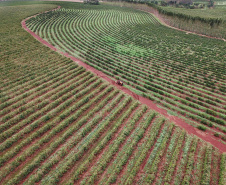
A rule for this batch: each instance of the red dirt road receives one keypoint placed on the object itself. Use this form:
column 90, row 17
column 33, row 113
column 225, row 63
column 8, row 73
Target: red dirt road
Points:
column 206, row 136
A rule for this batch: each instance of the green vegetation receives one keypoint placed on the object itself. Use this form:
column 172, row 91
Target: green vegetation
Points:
column 203, row 15
column 205, row 21
column 182, row 72
column 62, row 124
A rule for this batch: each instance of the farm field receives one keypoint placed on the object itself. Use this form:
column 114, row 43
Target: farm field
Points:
column 181, row 72
column 216, row 13
column 205, row 22
column 61, row 124
column 210, row 22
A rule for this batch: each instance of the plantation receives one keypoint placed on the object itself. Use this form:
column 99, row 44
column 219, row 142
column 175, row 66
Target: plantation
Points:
column 61, row 124
column 207, row 21
column 216, row 13
column 181, row 72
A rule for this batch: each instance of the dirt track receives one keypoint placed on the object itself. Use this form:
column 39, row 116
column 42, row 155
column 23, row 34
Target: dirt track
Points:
column 207, row 136
column 162, row 21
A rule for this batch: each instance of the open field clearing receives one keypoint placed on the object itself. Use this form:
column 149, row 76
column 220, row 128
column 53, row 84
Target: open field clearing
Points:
column 181, row 72
column 62, row 124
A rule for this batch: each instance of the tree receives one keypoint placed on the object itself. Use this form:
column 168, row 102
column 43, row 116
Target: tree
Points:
column 94, row 2
column 210, row 4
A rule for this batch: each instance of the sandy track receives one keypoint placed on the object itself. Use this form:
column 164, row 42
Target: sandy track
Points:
column 206, row 136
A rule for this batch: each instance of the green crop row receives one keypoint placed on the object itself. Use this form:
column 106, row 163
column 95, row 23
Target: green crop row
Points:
column 128, row 149
column 54, row 176
column 60, row 124
column 58, row 128
column 100, row 48
column 76, row 135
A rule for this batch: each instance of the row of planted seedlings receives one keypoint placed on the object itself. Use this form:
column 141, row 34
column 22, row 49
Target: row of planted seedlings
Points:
column 173, row 168
column 62, row 121
column 116, row 148
column 168, row 156
column 196, row 106
column 89, row 142
column 127, row 156
column 59, row 98
column 104, row 107
column 129, row 148
column 153, row 161
column 211, row 118
column 138, row 158
column 32, row 83
column 14, row 84
column 20, row 110
column 180, row 172
column 43, row 104
column 49, row 117
column 23, row 68
column 109, row 149
column 81, row 134
column 22, row 87
column 20, row 90
column 105, row 143
column 40, row 87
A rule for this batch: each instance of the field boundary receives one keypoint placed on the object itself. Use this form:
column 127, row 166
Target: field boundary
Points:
column 160, row 19
column 206, row 136
column 157, row 15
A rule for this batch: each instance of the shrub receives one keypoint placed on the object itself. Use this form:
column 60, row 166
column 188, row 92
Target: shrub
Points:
column 201, row 127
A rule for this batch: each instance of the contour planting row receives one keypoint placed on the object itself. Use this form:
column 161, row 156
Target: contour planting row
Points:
column 40, row 87
column 106, row 40
column 22, row 84
column 82, row 131
column 45, row 106
column 114, row 142
column 73, row 128
column 59, row 119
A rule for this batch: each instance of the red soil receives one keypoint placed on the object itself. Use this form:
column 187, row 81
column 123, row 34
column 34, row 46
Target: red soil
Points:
column 141, row 170
column 70, row 171
column 178, row 162
column 122, row 144
column 178, row 121
column 100, row 154
column 134, row 152
column 162, row 163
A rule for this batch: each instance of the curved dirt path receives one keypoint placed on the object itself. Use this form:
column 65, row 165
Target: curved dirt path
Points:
column 206, row 136
column 157, row 15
